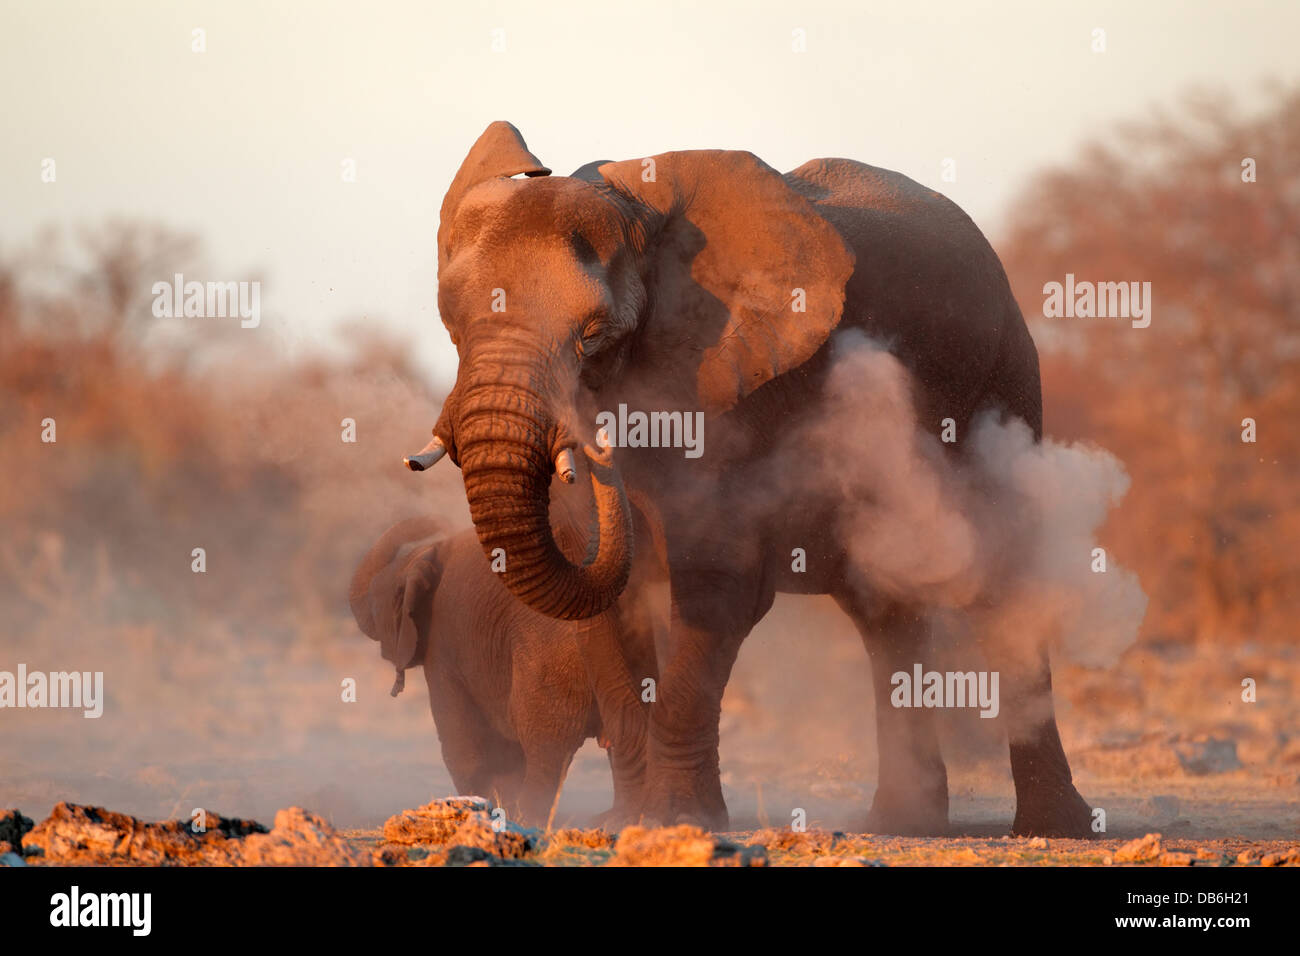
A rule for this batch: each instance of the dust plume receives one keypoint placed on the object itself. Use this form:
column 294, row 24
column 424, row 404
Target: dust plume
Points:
column 1006, row 530
column 996, row 539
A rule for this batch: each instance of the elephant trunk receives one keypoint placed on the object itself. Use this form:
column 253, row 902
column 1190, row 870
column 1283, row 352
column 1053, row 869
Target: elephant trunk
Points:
column 503, row 442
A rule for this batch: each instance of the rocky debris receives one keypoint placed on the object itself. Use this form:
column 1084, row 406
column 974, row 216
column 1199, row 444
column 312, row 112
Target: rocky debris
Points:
column 783, row 839
column 682, row 845
column 461, row 855
column 1194, row 856
column 846, row 861
column 461, row 821
column 1287, row 857
column 74, row 834
column 1038, row 843
column 1140, row 850
column 13, row 826
column 434, row 822
column 477, row 856
column 92, row 836
column 301, row 838
column 586, row 839
column 1207, row 755
column 1250, row 855
column 392, row 856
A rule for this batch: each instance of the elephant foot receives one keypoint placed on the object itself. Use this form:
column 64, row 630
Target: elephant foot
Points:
column 1061, row 813
column 616, row 818
column 686, row 803
column 908, row 814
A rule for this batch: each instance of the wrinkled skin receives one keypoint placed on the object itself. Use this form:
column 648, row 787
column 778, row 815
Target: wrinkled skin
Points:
column 513, row 693
column 668, row 284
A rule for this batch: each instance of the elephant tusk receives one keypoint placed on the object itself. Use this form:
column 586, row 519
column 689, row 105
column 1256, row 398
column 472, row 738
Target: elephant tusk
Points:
column 565, row 466
column 427, row 456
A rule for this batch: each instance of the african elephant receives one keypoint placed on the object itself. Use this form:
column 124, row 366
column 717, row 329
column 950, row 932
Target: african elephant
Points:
column 707, row 282
column 513, row 693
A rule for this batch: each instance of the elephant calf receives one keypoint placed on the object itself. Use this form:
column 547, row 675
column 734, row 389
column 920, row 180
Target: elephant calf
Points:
column 514, row 693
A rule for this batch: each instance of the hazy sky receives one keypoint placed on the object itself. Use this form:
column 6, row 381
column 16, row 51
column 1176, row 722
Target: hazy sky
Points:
column 244, row 144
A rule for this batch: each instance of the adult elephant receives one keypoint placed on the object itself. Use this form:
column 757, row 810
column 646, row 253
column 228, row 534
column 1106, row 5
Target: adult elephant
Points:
column 707, row 281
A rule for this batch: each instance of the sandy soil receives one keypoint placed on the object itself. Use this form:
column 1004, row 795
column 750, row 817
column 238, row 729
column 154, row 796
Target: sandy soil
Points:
column 1161, row 740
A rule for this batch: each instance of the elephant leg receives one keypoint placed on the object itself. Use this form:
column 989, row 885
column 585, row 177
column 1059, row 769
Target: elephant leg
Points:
column 546, row 766
column 912, row 786
column 712, row 613
column 629, row 774
column 1047, row 803
column 623, row 719
column 480, row 761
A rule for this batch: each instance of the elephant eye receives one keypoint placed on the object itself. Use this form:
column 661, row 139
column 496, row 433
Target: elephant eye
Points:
column 592, row 338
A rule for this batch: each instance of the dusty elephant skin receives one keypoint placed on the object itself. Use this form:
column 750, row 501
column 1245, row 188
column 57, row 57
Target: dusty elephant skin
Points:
column 513, row 693
column 707, row 282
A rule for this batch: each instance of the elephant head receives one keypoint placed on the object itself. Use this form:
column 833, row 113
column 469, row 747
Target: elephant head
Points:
column 392, row 592
column 686, row 280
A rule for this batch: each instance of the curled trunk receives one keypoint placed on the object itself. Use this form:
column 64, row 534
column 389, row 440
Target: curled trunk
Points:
column 504, row 450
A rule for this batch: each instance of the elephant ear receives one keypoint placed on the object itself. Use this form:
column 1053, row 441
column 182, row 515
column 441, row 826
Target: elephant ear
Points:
column 410, row 639
column 499, row 153
column 748, row 280
column 391, row 593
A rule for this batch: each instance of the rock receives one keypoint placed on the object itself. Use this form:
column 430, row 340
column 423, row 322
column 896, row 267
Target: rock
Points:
column 1038, row 843
column 1250, row 855
column 1141, row 850
column 461, row 821
column 435, row 822
column 846, row 861
column 301, row 838
column 1175, row 858
column 477, row 856
column 1287, row 857
column 1207, row 755
column 466, row 856
column 10, row 858
column 13, row 826
column 84, row 835
column 81, row 835
column 682, row 846
column 810, row 841
column 392, row 856
column 587, row 839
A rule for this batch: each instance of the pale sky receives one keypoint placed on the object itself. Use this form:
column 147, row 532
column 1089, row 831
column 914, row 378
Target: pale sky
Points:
column 243, row 144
